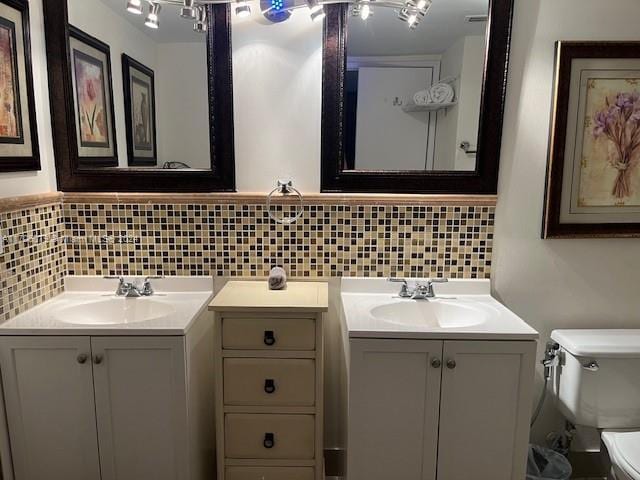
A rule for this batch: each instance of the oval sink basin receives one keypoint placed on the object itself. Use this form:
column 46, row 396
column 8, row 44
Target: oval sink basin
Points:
column 433, row 313
column 114, row 311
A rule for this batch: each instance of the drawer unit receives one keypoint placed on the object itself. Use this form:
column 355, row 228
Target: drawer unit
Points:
column 269, row 378
column 269, row 436
column 269, row 381
column 269, row 473
column 269, row 333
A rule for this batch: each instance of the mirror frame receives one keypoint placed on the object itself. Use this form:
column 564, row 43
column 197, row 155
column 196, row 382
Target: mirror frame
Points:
column 74, row 177
column 484, row 180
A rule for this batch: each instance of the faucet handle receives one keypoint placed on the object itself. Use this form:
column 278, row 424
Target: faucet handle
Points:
column 397, row 280
column 438, row 280
column 404, row 290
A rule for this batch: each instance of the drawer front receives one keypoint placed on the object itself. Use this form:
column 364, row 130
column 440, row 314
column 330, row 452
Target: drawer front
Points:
column 262, row 436
column 269, row 333
column 269, row 473
column 261, row 381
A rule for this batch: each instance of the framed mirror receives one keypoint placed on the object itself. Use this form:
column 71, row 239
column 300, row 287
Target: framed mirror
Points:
column 414, row 103
column 140, row 103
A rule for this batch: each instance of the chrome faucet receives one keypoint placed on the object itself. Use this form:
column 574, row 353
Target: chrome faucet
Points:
column 131, row 290
column 420, row 291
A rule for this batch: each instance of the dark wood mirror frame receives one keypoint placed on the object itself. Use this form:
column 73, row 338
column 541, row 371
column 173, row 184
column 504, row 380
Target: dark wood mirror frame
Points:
column 73, row 177
column 484, row 180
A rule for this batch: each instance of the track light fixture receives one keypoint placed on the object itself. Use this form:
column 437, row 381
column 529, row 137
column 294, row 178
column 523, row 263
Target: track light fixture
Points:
column 152, row 20
column 134, row 6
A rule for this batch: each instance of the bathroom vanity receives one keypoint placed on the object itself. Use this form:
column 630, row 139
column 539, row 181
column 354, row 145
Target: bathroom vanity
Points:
column 437, row 388
column 99, row 387
column 269, row 379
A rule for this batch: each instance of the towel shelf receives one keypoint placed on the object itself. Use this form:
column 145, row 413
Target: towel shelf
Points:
column 432, row 107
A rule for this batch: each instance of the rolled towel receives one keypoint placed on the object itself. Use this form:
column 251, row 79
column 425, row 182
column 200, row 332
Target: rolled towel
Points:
column 442, row 93
column 423, row 97
column 277, row 279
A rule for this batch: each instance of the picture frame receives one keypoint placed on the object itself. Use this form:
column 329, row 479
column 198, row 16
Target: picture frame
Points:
column 140, row 113
column 19, row 149
column 90, row 63
column 593, row 168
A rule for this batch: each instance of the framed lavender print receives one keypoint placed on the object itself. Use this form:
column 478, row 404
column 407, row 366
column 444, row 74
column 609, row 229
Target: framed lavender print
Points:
column 593, row 173
column 93, row 100
column 18, row 129
column 140, row 112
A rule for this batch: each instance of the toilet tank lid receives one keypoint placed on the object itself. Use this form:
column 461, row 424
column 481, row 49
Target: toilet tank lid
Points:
column 599, row 343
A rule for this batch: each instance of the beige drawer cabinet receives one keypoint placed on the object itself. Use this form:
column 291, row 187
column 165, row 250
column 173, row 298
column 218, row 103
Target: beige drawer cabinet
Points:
column 269, row 348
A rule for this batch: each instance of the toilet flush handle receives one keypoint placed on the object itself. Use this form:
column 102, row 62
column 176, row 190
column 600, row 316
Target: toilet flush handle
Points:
column 592, row 366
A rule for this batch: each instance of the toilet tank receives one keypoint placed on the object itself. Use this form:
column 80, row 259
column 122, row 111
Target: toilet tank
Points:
column 597, row 381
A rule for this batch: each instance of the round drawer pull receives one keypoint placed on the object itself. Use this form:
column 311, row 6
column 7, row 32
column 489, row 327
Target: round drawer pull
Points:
column 98, row 359
column 269, row 338
column 82, row 358
column 269, row 386
column 436, row 363
column 269, row 440
column 451, row 364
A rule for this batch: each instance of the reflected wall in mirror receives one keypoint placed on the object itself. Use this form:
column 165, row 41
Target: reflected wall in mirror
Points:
column 164, row 67
column 405, row 94
column 421, row 87
column 140, row 102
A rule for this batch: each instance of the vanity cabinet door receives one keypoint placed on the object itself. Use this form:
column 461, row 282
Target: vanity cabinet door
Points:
column 393, row 409
column 48, row 392
column 485, row 409
column 141, row 408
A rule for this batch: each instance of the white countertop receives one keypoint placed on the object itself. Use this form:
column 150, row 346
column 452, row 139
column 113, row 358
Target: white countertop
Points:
column 361, row 295
column 188, row 297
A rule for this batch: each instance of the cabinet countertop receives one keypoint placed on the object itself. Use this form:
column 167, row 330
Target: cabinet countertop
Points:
column 255, row 296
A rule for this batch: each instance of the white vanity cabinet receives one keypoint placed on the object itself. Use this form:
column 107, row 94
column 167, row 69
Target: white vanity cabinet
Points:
column 109, row 408
column 438, row 409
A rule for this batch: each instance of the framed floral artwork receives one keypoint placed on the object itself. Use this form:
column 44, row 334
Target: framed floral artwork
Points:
column 593, row 172
column 18, row 130
column 93, row 98
column 140, row 112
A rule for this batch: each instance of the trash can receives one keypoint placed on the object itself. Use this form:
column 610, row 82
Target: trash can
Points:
column 545, row 464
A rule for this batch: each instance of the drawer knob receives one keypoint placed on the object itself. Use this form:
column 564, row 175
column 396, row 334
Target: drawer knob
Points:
column 269, row 440
column 436, row 363
column 269, row 338
column 451, row 364
column 269, row 386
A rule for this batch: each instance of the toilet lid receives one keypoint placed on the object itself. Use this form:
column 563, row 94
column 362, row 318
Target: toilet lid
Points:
column 624, row 450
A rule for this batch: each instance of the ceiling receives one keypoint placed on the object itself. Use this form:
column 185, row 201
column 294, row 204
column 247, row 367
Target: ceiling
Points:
column 384, row 34
column 173, row 28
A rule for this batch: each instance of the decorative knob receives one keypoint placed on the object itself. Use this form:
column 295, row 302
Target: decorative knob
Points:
column 269, row 386
column 269, row 338
column 269, row 440
column 436, row 363
column 451, row 364
column 82, row 358
column 98, row 359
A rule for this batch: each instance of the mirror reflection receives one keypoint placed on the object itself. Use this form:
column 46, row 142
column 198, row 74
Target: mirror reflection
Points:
column 413, row 87
column 140, row 92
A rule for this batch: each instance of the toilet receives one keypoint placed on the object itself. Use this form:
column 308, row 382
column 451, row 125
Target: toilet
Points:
column 597, row 384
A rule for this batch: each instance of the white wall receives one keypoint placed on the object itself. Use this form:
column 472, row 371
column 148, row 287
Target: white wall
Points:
column 182, row 109
column 556, row 283
column 23, row 183
column 277, row 79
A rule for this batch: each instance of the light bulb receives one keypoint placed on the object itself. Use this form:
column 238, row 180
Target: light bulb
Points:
column 152, row 17
column 243, row 11
column 365, row 11
column 134, row 6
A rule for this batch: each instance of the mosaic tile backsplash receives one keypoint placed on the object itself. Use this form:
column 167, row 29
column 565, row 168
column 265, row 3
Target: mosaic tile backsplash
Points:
column 32, row 259
column 238, row 240
column 42, row 244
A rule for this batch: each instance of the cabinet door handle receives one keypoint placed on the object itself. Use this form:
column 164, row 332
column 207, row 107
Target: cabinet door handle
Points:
column 436, row 363
column 269, row 338
column 82, row 358
column 98, row 359
column 451, row 364
column 269, row 386
column 269, row 440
